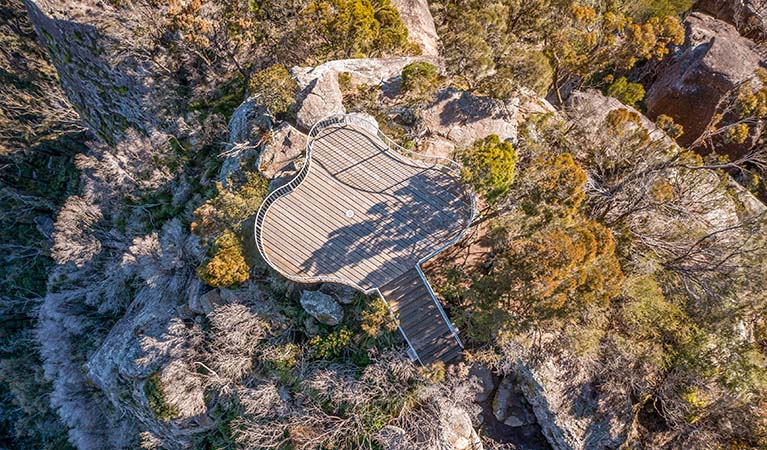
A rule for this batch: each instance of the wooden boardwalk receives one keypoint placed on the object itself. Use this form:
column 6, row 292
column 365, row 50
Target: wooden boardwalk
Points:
column 365, row 214
column 411, row 301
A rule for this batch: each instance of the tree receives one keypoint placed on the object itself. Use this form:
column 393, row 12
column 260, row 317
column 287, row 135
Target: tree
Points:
column 489, row 167
column 522, row 68
column 583, row 41
column 274, row 88
column 420, row 79
column 354, row 28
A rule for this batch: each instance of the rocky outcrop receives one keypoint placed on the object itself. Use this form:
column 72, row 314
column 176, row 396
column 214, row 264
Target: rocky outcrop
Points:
column 281, row 152
column 748, row 16
column 322, row 307
column 458, row 118
column 510, row 407
column 248, row 124
column 713, row 61
column 321, row 97
column 590, row 108
column 420, row 25
column 459, row 434
column 382, row 72
column 110, row 96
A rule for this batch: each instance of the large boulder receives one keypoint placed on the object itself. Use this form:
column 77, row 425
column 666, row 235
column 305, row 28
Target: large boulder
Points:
column 342, row 294
column 420, row 25
column 321, row 97
column 748, row 16
column 458, row 118
column 713, row 61
column 459, row 433
column 510, row 406
column 322, row 307
column 248, row 124
column 280, row 153
column 383, row 72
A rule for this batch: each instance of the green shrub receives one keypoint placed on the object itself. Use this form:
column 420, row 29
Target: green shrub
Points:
column 376, row 318
column 628, row 93
column 274, row 88
column 489, row 167
column 354, row 28
column 645, row 9
column 524, row 68
column 155, row 395
column 333, row 345
column 227, row 267
column 420, row 78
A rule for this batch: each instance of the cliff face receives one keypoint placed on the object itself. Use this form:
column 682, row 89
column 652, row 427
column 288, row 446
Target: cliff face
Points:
column 111, row 93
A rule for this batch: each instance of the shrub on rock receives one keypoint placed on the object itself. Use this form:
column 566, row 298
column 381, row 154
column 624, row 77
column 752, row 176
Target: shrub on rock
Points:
column 274, row 88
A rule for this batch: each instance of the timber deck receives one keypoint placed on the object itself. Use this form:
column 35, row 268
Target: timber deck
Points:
column 365, row 215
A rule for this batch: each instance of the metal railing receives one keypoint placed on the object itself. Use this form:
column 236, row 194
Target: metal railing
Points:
column 436, row 161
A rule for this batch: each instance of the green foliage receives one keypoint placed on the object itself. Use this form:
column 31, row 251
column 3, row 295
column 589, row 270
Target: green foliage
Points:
column 227, row 267
column 489, row 167
column 230, row 206
column 218, row 222
column 487, row 40
column 671, row 128
column 224, row 101
column 332, row 345
column 420, row 78
column 355, row 28
column 522, row 68
column 645, row 9
column 155, row 395
column 660, row 330
column 628, row 93
column 553, row 272
column 555, row 187
column 376, row 318
column 274, row 88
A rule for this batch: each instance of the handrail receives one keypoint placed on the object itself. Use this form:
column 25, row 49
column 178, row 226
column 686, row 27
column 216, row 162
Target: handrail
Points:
column 285, row 189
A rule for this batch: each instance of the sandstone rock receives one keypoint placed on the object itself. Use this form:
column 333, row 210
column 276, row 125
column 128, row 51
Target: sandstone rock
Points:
column 393, row 438
column 248, row 123
column 207, row 302
column 459, row 433
column 690, row 84
column 320, row 98
column 322, row 307
column 383, row 72
column 280, row 155
column 417, row 18
column 342, row 294
column 364, row 121
column 510, row 406
column 458, row 118
column 486, row 382
column 748, row 16
column 110, row 96
column 572, row 415
column 311, row 326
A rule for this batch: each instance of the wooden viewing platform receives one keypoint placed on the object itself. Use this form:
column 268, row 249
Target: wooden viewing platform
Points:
column 367, row 213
